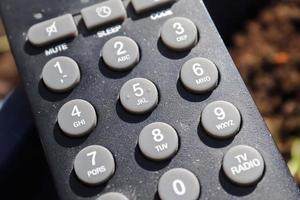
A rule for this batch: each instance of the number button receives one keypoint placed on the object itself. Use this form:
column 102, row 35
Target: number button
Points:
column 94, row 165
column 243, row 165
column 221, row 119
column 158, row 141
column 199, row 75
column 77, row 118
column 179, row 34
column 139, row 96
column 120, row 53
column 112, row 196
column 178, row 184
column 61, row 74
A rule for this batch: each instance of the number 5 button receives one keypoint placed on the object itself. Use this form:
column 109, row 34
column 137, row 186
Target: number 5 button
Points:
column 158, row 141
column 221, row 119
column 199, row 75
column 94, row 165
column 139, row 96
column 178, row 184
column 179, row 34
column 77, row 118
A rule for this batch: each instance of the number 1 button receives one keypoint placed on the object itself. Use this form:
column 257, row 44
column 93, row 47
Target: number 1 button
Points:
column 178, row 184
column 139, row 96
column 77, row 118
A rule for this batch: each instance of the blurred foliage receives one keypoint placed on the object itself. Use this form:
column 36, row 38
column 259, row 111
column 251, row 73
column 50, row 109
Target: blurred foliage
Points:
column 267, row 54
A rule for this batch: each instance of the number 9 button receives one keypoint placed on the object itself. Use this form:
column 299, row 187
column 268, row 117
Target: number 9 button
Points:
column 199, row 75
column 221, row 119
column 158, row 141
column 77, row 118
column 94, row 165
column 178, row 184
column 139, row 96
column 120, row 53
column 179, row 34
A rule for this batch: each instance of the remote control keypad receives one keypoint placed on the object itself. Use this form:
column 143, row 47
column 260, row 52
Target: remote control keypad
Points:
column 103, row 13
column 94, row 165
column 243, row 165
column 178, row 184
column 120, row 53
column 52, row 30
column 112, row 196
column 199, row 75
column 61, row 74
column 179, row 34
column 144, row 5
column 139, row 96
column 158, row 141
column 77, row 118
column 221, row 119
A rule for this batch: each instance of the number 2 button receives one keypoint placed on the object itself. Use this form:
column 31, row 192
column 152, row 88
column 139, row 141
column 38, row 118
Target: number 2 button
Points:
column 120, row 53
column 77, row 118
column 139, row 96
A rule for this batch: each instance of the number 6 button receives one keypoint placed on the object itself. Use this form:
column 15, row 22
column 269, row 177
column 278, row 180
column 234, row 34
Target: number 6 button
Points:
column 178, row 184
column 94, row 165
column 179, row 34
column 158, row 141
column 138, row 96
column 120, row 53
column 221, row 119
column 77, row 118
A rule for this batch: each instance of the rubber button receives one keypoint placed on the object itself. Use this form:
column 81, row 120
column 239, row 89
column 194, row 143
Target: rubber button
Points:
column 221, row 119
column 94, row 165
column 112, row 196
column 179, row 34
column 158, row 141
column 77, row 118
column 120, row 53
column 243, row 165
column 61, row 74
column 199, row 75
column 178, row 184
column 139, row 96
column 145, row 5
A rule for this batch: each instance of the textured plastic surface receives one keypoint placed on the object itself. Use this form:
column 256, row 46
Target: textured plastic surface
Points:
column 136, row 177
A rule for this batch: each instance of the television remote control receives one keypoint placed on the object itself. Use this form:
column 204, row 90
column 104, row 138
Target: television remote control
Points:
column 140, row 100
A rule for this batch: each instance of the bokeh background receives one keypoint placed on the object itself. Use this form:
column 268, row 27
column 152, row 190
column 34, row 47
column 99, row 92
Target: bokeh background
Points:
column 264, row 41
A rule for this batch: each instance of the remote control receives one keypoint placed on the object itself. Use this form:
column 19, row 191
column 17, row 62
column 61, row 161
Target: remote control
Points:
column 140, row 100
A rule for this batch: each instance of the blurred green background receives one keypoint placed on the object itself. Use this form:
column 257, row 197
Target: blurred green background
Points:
column 266, row 49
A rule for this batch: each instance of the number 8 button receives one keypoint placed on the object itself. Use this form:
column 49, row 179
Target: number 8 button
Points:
column 221, row 119
column 158, row 141
column 138, row 96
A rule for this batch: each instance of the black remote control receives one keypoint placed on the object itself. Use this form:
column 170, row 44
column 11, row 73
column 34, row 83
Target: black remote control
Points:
column 140, row 100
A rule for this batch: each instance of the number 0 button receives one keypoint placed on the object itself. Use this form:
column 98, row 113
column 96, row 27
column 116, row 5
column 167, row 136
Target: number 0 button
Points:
column 178, row 184
column 77, row 118
column 120, row 53
column 179, row 34
column 199, row 75
column 221, row 119
column 94, row 165
column 139, row 96
column 158, row 141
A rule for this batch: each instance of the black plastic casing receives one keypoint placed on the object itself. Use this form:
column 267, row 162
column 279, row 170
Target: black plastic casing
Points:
column 135, row 176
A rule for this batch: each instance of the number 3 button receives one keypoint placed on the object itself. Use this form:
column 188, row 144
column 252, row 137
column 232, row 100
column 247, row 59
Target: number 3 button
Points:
column 120, row 53
column 179, row 34
column 138, row 96
column 178, row 184
column 158, row 141
column 221, row 119
column 77, row 118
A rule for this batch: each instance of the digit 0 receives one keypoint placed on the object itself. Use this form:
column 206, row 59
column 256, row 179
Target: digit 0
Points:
column 179, row 187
